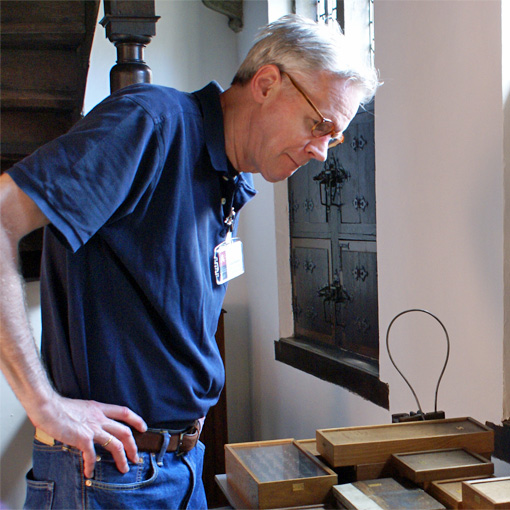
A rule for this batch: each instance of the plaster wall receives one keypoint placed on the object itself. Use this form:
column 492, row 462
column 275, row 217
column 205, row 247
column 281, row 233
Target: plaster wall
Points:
column 439, row 139
column 505, row 24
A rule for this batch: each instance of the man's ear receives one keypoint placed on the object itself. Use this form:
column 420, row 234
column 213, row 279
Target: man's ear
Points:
column 265, row 82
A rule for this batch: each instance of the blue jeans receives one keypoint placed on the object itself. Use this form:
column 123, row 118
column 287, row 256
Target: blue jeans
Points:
column 165, row 481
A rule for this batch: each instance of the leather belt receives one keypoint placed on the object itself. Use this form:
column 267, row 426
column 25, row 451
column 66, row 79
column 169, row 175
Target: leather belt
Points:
column 180, row 442
column 152, row 440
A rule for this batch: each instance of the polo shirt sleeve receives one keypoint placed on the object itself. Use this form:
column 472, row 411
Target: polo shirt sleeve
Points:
column 97, row 172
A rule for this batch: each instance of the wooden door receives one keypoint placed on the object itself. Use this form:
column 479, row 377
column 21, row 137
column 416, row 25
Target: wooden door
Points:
column 333, row 245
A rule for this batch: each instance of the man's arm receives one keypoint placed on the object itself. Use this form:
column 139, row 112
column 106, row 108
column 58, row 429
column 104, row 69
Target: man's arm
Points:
column 76, row 423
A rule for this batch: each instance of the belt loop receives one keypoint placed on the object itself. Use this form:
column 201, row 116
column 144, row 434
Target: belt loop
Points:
column 179, row 451
column 164, row 447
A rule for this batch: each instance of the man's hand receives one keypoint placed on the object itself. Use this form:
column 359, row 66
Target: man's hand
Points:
column 81, row 423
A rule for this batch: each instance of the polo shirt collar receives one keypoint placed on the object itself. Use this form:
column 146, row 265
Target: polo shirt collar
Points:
column 209, row 99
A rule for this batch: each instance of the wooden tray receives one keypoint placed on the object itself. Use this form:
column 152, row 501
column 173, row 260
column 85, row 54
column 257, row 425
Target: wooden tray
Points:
column 384, row 494
column 448, row 492
column 310, row 445
column 375, row 444
column 376, row 470
column 486, row 494
column 276, row 474
column 422, row 467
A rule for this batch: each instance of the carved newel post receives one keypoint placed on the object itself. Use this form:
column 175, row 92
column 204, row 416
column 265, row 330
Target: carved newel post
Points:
column 130, row 25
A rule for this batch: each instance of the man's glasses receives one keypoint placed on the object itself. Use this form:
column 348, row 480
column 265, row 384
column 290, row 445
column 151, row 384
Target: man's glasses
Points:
column 324, row 126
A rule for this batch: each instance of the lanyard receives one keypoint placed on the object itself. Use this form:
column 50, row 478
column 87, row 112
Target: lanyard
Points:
column 228, row 256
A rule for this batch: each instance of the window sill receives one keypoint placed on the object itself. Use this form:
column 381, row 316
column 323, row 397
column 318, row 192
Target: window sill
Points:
column 354, row 374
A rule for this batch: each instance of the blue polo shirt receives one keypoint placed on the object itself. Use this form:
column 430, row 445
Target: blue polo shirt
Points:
column 137, row 194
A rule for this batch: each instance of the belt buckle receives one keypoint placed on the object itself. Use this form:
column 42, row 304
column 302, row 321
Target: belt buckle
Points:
column 178, row 452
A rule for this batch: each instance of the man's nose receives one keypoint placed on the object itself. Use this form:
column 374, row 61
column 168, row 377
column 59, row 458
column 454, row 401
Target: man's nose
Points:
column 318, row 148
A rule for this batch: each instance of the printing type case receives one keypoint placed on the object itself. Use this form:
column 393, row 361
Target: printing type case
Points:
column 423, row 467
column 275, row 474
column 353, row 446
column 486, row 494
column 448, row 492
column 384, row 494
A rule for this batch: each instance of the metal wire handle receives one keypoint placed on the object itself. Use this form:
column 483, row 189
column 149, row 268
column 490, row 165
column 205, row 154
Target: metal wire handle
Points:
column 395, row 365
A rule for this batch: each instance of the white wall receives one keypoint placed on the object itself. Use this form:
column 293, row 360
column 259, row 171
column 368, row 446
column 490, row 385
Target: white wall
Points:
column 439, row 138
column 505, row 11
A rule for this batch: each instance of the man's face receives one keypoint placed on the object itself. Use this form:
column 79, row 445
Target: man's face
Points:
column 281, row 140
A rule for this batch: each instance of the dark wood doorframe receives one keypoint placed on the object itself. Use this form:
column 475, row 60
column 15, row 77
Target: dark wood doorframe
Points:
column 215, row 435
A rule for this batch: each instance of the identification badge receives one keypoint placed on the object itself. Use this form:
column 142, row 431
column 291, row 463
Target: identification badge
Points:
column 228, row 259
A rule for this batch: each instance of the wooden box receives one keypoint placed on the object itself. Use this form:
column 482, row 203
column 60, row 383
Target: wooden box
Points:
column 376, row 470
column 384, row 494
column 423, row 467
column 237, row 503
column 310, row 445
column 486, row 494
column 375, row 444
column 276, row 474
column 449, row 492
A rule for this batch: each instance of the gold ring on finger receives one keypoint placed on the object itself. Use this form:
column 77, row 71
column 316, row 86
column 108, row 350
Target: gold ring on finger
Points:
column 107, row 442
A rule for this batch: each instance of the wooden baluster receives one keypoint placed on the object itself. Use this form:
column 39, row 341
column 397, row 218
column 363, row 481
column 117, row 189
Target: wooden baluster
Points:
column 130, row 26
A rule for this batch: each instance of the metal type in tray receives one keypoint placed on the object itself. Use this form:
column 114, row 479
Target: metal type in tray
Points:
column 352, row 446
column 274, row 474
column 279, row 462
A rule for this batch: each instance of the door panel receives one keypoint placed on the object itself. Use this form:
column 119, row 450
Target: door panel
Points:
column 311, row 273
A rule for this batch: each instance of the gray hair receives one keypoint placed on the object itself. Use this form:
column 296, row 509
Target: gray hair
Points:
column 300, row 45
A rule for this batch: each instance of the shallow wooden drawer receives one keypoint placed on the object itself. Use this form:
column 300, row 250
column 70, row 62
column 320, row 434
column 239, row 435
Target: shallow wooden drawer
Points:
column 309, row 445
column 424, row 467
column 352, row 446
column 384, row 494
column 486, row 494
column 449, row 492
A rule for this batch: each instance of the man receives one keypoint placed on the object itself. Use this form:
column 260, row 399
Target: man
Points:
column 141, row 200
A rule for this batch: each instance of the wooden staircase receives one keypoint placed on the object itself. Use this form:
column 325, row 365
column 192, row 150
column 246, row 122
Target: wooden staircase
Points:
column 45, row 50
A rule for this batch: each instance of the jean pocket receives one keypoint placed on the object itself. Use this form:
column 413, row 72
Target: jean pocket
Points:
column 39, row 493
column 108, row 478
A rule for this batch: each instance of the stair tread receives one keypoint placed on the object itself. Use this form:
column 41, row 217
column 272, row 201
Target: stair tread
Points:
column 43, row 28
column 39, row 99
